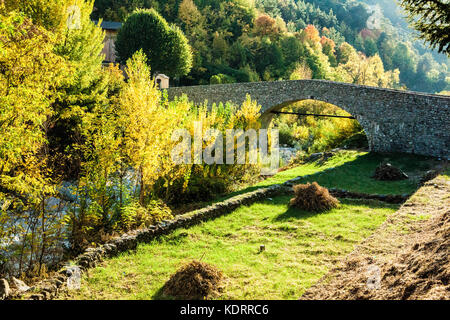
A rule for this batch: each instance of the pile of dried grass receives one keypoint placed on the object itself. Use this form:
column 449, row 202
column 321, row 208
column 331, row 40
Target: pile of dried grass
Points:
column 312, row 197
column 194, row 281
column 387, row 172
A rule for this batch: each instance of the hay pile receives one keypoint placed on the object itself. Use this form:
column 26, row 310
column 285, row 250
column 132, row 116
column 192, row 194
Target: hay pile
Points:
column 312, row 197
column 194, row 281
column 387, row 172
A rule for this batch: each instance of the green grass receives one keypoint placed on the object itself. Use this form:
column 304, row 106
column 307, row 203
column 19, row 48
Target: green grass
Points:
column 300, row 248
column 352, row 171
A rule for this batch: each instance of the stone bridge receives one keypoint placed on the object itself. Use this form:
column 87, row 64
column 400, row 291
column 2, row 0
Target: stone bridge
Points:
column 394, row 120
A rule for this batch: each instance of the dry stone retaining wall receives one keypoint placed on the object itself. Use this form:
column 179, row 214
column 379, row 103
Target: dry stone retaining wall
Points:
column 49, row 288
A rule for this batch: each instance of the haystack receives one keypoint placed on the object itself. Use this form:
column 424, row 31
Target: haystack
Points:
column 194, row 281
column 312, row 197
column 387, row 172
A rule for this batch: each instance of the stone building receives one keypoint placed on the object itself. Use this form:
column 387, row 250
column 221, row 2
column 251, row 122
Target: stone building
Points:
column 162, row 81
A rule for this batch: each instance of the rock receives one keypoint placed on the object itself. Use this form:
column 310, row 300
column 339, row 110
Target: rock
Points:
column 74, row 279
column 37, row 296
column 19, row 285
column 4, row 289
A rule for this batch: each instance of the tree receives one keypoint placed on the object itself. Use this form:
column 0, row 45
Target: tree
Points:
column 301, row 72
column 30, row 73
column 265, row 26
column 165, row 46
column 311, row 35
column 431, row 18
column 147, row 126
column 363, row 70
column 50, row 14
column 188, row 13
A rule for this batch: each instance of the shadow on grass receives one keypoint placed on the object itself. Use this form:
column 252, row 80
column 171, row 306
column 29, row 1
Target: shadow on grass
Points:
column 159, row 295
column 356, row 176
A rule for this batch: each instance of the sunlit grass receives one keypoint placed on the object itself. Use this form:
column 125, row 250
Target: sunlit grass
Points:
column 300, row 248
column 353, row 171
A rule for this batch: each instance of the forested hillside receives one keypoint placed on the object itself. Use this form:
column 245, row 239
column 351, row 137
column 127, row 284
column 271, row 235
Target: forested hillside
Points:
column 246, row 40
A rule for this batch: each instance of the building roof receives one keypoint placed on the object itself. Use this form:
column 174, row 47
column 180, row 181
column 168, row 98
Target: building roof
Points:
column 161, row 75
column 110, row 25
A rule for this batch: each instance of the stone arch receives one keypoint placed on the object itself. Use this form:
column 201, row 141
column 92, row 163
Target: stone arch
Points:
column 267, row 116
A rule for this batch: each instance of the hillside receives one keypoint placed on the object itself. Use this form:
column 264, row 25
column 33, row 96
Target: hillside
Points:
column 263, row 40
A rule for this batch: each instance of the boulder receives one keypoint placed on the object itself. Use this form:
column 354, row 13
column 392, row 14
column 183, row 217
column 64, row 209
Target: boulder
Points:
column 4, row 289
column 19, row 285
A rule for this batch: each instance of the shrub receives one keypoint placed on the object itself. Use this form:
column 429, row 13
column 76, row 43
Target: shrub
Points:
column 312, row 197
column 222, row 79
column 165, row 46
column 135, row 216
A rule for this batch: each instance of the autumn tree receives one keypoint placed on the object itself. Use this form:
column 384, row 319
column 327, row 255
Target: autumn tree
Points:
column 328, row 48
column 363, row 70
column 265, row 25
column 30, row 74
column 311, row 35
column 301, row 72
column 146, row 125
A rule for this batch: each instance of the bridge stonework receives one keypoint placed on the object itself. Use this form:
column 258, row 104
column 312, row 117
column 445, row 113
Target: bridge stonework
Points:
column 394, row 120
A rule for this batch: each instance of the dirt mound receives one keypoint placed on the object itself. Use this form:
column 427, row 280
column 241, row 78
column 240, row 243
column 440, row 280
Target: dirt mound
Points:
column 194, row 281
column 426, row 266
column 387, row 172
column 312, row 197
column 404, row 259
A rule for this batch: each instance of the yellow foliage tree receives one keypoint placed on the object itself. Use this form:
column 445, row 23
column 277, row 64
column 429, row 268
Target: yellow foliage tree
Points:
column 30, row 74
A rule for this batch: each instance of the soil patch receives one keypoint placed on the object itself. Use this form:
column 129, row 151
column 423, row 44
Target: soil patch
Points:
column 408, row 257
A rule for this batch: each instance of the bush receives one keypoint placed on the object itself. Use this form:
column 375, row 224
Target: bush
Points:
column 312, row 197
column 222, row 79
column 165, row 46
column 135, row 216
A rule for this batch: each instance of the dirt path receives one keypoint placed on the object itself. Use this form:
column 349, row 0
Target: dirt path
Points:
column 406, row 258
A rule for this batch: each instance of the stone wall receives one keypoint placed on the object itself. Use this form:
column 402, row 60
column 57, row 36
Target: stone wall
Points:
column 394, row 120
column 49, row 288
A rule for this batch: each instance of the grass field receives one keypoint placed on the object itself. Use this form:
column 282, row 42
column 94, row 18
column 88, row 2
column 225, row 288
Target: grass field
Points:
column 352, row 171
column 300, row 248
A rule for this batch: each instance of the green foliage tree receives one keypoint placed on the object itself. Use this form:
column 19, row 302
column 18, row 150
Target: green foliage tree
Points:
column 431, row 18
column 165, row 46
